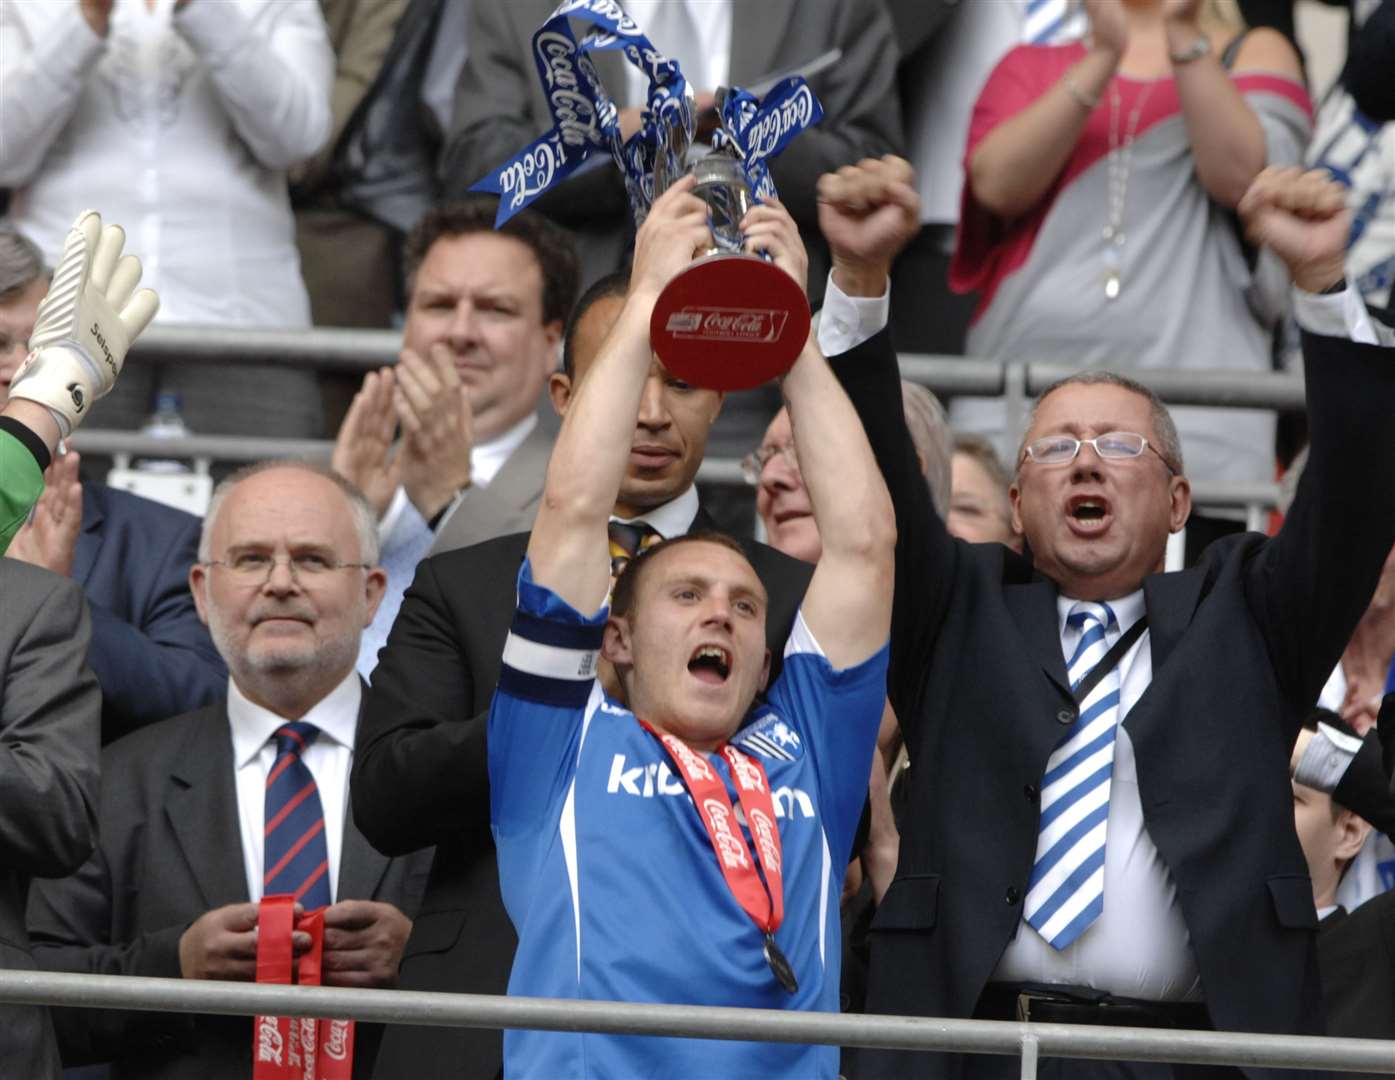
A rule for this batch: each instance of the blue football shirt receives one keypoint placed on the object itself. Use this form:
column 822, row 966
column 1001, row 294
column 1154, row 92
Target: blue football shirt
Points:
column 609, row 875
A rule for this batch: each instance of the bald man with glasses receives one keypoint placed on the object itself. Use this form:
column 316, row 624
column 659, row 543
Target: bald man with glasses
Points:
column 204, row 814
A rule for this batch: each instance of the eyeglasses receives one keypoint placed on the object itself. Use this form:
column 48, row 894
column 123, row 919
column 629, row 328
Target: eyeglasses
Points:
column 754, row 463
column 255, row 567
column 1111, row 446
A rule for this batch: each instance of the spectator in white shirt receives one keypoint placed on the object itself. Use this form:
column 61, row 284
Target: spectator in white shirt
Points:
column 178, row 118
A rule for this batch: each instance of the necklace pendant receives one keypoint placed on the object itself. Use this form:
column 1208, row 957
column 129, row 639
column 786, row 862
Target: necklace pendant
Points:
column 1111, row 285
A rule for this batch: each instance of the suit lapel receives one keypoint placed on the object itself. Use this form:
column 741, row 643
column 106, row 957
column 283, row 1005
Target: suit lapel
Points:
column 756, row 39
column 1170, row 601
column 90, row 538
column 361, row 865
column 1033, row 608
column 201, row 807
column 520, row 478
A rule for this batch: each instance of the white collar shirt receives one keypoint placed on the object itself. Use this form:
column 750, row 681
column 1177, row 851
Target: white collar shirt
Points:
column 1139, row 947
column 328, row 758
column 673, row 518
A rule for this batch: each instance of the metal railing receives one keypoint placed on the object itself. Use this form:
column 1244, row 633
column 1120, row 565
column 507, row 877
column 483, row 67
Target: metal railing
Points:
column 1030, row 1041
column 331, row 349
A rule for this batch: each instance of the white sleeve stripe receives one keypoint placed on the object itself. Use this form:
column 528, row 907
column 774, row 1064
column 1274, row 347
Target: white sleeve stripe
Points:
column 801, row 639
column 549, row 661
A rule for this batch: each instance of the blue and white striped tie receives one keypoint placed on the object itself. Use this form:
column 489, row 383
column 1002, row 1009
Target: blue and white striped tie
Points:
column 1053, row 22
column 1066, row 892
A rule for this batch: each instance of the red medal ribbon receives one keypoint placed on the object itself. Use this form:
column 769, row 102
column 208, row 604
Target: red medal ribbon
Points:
column 301, row 1048
column 766, row 908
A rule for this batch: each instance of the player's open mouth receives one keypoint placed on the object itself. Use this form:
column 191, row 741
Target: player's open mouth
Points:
column 711, row 664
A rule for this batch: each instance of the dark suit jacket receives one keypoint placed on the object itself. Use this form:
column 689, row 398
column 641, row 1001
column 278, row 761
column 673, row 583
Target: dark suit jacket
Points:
column 1241, row 644
column 50, row 711
column 1356, row 953
column 423, row 778
column 170, row 850
column 152, row 655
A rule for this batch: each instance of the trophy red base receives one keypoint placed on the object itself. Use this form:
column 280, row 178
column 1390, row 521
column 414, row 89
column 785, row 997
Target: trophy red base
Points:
column 730, row 321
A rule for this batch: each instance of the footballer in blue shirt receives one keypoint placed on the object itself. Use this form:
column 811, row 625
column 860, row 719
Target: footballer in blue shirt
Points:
column 664, row 834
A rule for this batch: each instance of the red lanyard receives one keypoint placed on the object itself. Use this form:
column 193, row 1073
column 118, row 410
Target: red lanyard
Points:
column 302, row 1048
column 764, row 901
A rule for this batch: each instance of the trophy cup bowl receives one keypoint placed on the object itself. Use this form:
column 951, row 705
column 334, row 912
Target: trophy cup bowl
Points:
column 729, row 320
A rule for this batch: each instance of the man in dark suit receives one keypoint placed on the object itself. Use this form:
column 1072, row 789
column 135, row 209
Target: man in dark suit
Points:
column 152, row 656
column 501, row 108
column 423, row 775
column 49, row 715
column 1102, row 853
column 194, row 828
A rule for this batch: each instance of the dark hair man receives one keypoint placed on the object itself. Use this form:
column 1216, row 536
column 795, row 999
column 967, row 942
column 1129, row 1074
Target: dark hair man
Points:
column 422, row 777
column 585, row 869
column 1118, row 847
column 204, row 814
column 1342, row 786
column 485, row 311
column 152, row 657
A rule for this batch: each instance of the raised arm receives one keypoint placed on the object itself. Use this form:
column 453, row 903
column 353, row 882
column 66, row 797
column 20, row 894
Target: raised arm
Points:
column 867, row 213
column 83, row 327
column 1312, row 582
column 848, row 603
column 568, row 548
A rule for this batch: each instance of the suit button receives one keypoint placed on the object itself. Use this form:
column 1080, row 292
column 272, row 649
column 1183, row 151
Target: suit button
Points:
column 1065, row 716
column 1030, row 793
column 1013, row 895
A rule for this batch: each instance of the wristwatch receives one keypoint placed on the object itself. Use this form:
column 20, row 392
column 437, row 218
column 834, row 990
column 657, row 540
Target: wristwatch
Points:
column 1195, row 51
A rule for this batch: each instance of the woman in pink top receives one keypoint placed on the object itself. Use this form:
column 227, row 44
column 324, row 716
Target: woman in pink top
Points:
column 1096, row 221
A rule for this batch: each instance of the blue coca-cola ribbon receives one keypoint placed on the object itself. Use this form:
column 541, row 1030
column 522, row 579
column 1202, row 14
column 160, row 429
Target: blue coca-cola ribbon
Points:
column 585, row 119
column 758, row 130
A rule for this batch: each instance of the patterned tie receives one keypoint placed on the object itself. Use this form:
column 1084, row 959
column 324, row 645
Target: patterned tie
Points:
column 1066, row 892
column 628, row 539
column 1053, row 22
column 296, row 859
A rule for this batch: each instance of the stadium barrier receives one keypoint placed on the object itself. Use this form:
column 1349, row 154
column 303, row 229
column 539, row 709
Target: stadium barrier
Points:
column 332, row 349
column 1028, row 1041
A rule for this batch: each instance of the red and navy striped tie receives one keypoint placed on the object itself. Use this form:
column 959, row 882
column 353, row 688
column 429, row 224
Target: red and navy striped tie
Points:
column 296, row 858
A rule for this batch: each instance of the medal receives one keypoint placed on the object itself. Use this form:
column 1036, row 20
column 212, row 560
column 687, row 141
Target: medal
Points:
column 784, row 974
column 764, row 901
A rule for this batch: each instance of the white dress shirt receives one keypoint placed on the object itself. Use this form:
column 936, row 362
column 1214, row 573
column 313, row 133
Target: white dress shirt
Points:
column 1139, row 947
column 673, row 518
column 328, row 758
column 179, row 126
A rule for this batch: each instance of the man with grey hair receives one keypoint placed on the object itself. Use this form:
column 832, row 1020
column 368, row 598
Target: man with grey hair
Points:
column 152, row 657
column 1099, row 821
column 204, row 814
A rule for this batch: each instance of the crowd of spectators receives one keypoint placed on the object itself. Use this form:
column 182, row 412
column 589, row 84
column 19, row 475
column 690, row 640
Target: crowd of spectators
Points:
column 379, row 681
